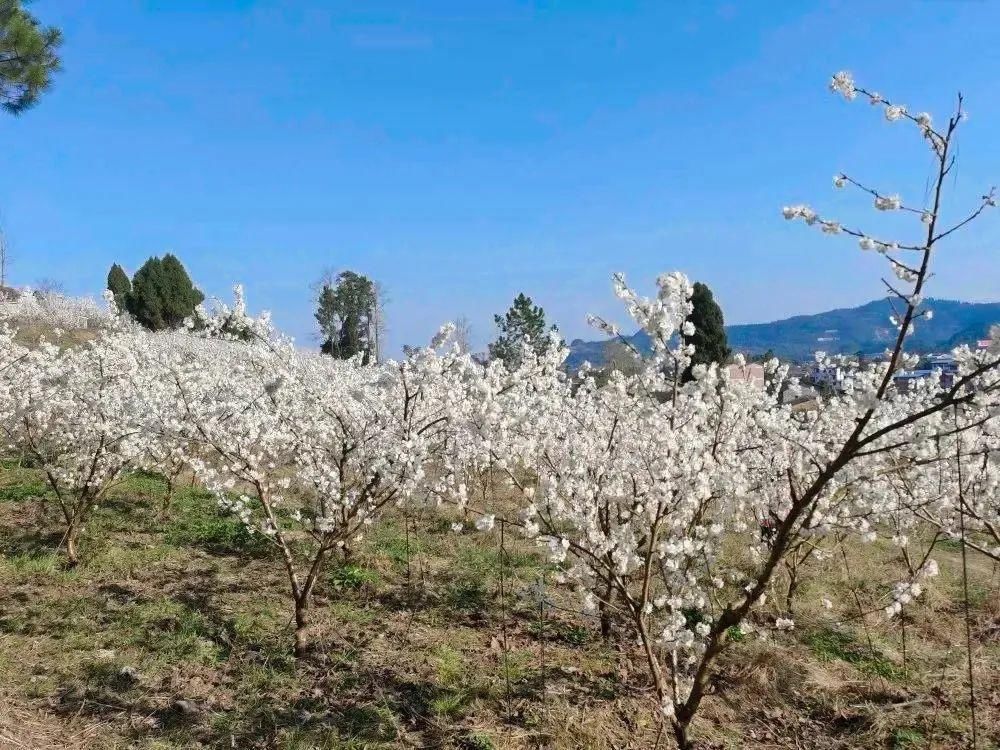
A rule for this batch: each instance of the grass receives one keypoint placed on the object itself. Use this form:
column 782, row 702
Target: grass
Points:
column 172, row 631
column 829, row 644
column 197, row 521
column 188, row 606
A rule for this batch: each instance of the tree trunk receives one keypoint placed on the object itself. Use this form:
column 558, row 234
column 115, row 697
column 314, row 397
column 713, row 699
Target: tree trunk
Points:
column 168, row 497
column 301, row 640
column 605, row 609
column 72, row 535
column 681, row 735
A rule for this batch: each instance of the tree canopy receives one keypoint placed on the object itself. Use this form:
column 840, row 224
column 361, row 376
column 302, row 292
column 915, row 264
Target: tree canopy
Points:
column 347, row 314
column 709, row 337
column 120, row 286
column 29, row 56
column 523, row 322
column 160, row 296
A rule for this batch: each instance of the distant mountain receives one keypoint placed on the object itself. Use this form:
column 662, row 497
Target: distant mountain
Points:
column 845, row 331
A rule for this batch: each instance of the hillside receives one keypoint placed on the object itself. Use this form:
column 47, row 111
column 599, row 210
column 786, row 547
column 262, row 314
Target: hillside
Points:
column 843, row 331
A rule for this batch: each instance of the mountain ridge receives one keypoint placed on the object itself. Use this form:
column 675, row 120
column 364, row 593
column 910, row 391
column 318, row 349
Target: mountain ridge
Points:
column 845, row 330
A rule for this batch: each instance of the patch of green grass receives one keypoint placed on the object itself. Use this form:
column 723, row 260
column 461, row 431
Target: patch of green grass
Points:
column 830, row 645
column 978, row 594
column 326, row 739
column 350, row 612
column 124, row 561
column 24, row 491
column 198, row 521
column 172, row 631
column 468, row 595
column 368, row 723
column 393, row 543
column 902, row 738
column 261, row 635
column 25, row 566
column 450, row 704
column 485, row 561
column 72, row 619
column 146, row 484
column 951, row 545
column 449, row 666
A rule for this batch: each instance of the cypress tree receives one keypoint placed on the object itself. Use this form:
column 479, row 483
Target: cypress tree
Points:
column 120, row 286
column 163, row 294
column 709, row 337
column 180, row 295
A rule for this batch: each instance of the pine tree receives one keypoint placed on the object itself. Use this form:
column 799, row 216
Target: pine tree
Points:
column 28, row 57
column 120, row 286
column 709, row 337
column 163, row 294
column 524, row 321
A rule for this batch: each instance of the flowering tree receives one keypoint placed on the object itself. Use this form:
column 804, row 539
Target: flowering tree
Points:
column 307, row 450
column 77, row 413
column 677, row 504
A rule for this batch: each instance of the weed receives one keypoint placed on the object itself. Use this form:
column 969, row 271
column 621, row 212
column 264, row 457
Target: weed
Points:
column 352, row 577
column 574, row 635
column 468, row 595
column 476, row 741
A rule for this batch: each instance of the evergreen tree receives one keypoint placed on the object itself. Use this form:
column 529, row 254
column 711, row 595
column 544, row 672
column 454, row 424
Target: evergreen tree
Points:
column 180, row 294
column 709, row 337
column 328, row 320
column 163, row 294
column 524, row 321
column 28, row 57
column 120, row 286
column 347, row 314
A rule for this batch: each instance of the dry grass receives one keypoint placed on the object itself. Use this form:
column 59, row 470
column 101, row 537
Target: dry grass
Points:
column 176, row 634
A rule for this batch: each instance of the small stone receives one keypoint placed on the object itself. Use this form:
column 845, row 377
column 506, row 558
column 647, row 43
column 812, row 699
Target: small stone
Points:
column 186, row 707
column 130, row 673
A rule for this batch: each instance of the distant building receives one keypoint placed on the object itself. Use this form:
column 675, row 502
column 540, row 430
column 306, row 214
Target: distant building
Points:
column 940, row 366
column 752, row 373
column 830, row 376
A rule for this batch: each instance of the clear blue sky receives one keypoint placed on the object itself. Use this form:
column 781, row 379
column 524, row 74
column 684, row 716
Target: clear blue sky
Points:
column 462, row 152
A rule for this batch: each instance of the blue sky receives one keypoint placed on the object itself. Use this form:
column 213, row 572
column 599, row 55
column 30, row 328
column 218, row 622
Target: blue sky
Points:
column 461, row 152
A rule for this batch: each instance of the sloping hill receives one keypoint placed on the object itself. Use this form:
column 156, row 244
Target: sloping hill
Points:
column 843, row 331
